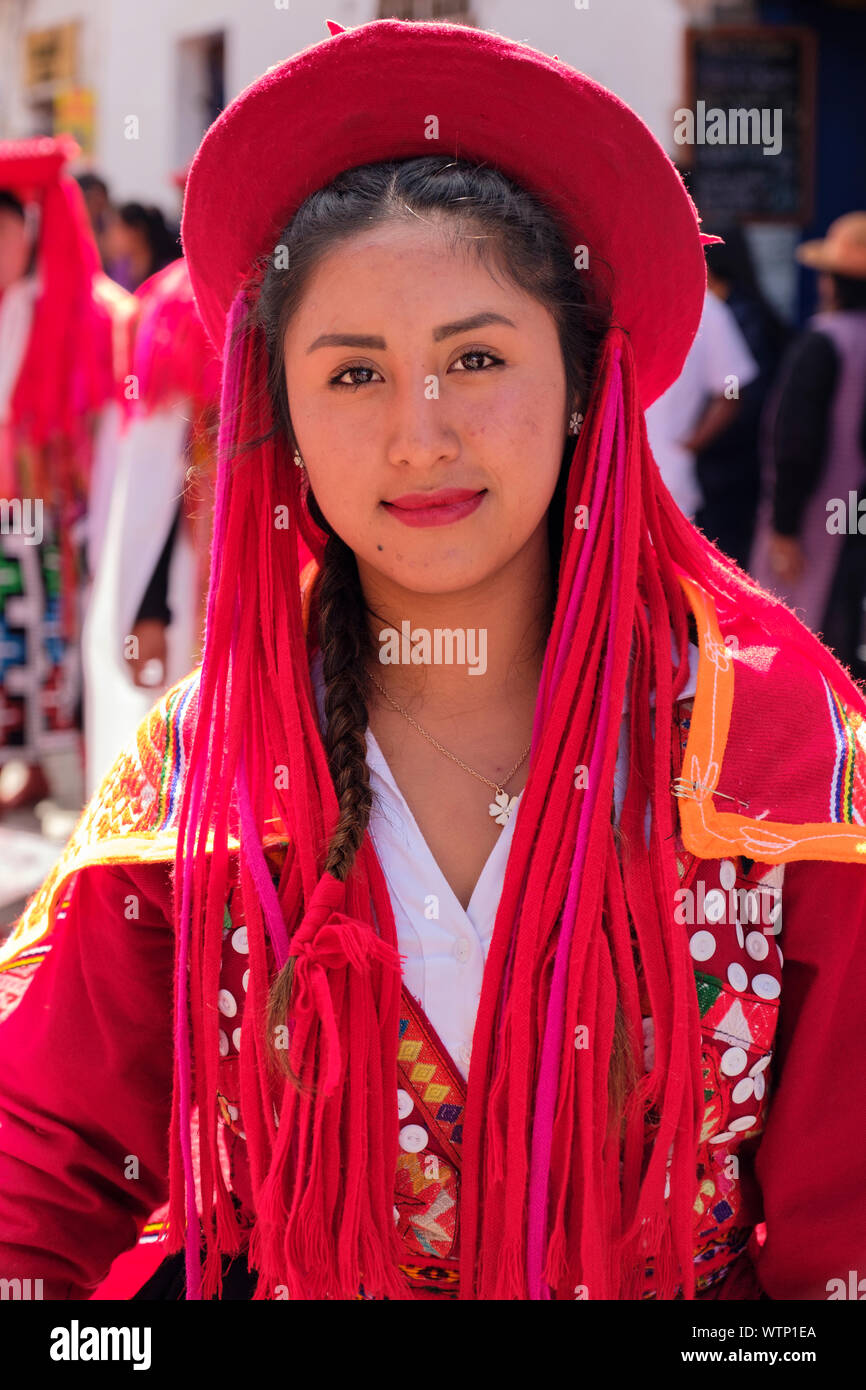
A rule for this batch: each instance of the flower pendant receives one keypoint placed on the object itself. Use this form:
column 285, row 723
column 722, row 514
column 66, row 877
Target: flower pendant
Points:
column 501, row 808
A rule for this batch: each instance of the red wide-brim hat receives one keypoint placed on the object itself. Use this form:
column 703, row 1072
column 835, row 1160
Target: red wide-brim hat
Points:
column 367, row 94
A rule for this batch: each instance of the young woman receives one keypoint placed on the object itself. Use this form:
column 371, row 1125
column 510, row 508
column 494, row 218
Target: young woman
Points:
column 476, row 959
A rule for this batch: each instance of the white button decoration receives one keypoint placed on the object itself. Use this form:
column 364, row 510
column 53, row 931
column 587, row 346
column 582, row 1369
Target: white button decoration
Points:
column 757, row 945
column 742, row 1122
column 405, row 1104
column 766, row 986
column 743, row 1091
column 413, row 1138
column 227, row 1003
column 737, row 977
column 734, row 1061
column 727, row 874
column 702, row 945
column 240, row 942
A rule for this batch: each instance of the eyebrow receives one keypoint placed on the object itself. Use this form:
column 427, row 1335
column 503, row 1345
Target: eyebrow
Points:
column 445, row 330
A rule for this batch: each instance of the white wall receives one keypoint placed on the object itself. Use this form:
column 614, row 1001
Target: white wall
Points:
column 634, row 47
column 130, row 57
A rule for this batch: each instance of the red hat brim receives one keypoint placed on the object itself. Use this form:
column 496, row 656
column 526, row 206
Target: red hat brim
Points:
column 365, row 94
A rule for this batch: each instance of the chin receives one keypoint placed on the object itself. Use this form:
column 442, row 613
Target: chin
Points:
column 442, row 574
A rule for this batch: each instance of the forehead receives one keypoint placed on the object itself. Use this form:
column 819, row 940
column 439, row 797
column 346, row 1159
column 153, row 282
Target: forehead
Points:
column 412, row 257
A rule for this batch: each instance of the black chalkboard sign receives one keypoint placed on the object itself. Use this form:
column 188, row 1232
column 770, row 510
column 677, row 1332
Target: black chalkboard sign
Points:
column 746, row 132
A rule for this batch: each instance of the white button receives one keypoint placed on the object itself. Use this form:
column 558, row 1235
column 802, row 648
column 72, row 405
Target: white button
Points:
column 714, row 905
column 737, row 977
column 236, row 1038
column 721, row 1138
column 744, row 1122
column 740, row 938
column 781, row 957
column 759, row 1066
column 734, row 1061
column 462, row 950
column 744, row 1090
column 405, row 1104
column 413, row 1138
column 227, row 1003
column 702, row 945
column 224, row 1044
column 760, row 1086
column 766, row 986
column 727, row 874
column 239, row 941
column 246, row 980
column 396, row 1216
column 757, row 945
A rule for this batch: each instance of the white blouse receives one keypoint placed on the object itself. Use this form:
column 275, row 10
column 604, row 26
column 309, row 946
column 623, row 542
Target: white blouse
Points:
column 444, row 944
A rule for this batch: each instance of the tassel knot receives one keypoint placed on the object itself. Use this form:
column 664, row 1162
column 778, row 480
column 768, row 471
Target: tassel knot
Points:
column 330, row 940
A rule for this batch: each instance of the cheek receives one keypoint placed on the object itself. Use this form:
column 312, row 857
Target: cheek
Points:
column 519, row 436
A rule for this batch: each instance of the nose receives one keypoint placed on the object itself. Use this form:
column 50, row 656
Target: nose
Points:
column 421, row 433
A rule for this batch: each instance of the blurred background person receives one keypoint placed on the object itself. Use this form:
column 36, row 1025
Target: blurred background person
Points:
column 139, row 242
column 700, row 405
column 99, row 209
column 729, row 466
column 57, row 358
column 816, row 455
column 144, row 620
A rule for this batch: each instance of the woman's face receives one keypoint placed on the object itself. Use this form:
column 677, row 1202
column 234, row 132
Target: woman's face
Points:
column 410, row 370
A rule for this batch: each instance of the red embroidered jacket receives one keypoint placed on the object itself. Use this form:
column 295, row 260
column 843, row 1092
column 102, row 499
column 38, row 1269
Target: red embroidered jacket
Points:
column 85, row 1060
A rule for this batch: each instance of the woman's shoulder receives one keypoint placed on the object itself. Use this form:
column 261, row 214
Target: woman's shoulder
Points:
column 131, row 819
column 775, row 765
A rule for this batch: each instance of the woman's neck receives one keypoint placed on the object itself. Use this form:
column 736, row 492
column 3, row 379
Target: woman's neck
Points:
column 461, row 652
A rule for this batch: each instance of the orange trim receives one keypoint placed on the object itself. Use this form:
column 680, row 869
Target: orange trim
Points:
column 713, row 834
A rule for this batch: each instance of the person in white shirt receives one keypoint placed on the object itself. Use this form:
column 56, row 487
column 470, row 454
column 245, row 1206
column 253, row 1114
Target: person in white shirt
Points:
column 701, row 403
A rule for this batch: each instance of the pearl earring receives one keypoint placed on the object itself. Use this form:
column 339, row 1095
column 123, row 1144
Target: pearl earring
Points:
column 299, row 462
column 575, row 423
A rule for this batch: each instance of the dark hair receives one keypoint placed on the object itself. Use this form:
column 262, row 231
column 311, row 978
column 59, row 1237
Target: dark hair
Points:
column 162, row 241
column 522, row 239
column 89, row 182
column 10, row 203
column 850, row 291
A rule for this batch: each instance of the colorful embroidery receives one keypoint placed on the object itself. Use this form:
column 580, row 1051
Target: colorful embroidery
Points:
column 426, row 1202
column 849, row 729
column 710, row 833
column 436, row 1090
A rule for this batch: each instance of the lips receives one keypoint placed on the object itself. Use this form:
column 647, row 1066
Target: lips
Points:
column 435, row 508
column 413, row 501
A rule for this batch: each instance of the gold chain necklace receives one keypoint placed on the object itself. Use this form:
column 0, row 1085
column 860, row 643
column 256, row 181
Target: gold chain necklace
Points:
column 500, row 809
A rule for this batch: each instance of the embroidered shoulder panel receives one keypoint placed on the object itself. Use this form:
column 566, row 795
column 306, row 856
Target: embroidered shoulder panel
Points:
column 131, row 818
column 775, row 764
